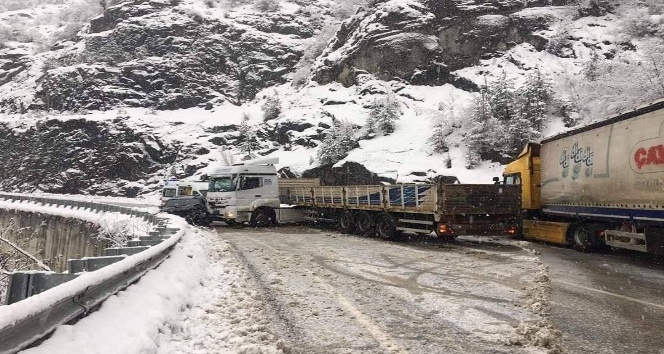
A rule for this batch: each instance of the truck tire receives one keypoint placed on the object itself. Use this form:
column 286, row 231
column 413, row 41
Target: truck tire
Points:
column 262, row 217
column 346, row 224
column 198, row 217
column 583, row 238
column 364, row 224
column 386, row 228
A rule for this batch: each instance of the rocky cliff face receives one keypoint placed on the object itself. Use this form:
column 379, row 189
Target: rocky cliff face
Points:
column 423, row 42
column 80, row 156
column 157, row 54
column 225, row 63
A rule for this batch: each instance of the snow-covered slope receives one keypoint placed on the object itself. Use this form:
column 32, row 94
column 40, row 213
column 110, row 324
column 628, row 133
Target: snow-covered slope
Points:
column 186, row 79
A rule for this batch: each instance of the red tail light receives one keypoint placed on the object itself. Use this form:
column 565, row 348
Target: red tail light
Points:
column 443, row 229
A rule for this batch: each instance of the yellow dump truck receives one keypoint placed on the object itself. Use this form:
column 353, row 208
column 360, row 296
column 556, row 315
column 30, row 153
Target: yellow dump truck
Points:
column 598, row 185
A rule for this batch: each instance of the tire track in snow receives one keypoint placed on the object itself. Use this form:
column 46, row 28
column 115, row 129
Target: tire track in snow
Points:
column 371, row 296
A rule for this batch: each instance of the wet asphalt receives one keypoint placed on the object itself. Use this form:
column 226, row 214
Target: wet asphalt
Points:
column 609, row 302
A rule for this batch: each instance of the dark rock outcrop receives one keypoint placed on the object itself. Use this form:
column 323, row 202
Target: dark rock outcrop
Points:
column 424, row 43
column 154, row 54
column 80, row 156
column 348, row 174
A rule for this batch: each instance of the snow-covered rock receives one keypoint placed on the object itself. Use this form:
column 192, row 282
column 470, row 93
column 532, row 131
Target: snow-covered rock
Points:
column 423, row 42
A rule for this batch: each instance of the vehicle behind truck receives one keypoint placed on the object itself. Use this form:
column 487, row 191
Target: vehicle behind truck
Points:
column 175, row 188
column 598, row 185
column 251, row 192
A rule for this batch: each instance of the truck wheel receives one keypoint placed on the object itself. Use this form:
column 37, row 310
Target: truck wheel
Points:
column 346, row 222
column 364, row 224
column 386, row 227
column 583, row 238
column 262, row 217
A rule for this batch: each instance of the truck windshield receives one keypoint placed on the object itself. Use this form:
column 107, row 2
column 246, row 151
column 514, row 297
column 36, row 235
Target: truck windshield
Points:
column 223, row 184
column 169, row 192
column 514, row 179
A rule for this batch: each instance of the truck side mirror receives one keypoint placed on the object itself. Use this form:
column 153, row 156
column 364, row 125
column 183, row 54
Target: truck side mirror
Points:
column 496, row 180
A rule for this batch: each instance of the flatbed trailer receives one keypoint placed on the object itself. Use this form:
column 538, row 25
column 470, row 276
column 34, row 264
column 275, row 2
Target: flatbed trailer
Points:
column 448, row 210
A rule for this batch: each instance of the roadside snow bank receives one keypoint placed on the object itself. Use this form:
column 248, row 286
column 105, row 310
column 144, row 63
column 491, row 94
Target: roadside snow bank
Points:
column 131, row 321
column 226, row 313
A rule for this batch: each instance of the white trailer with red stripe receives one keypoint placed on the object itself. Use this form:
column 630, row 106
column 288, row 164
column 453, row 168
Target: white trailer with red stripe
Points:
column 601, row 184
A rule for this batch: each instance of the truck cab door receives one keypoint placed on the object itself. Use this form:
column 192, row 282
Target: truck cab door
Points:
column 262, row 189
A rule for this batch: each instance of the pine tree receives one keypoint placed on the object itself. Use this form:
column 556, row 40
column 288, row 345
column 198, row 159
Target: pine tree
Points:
column 486, row 134
column 248, row 141
column 338, row 141
column 438, row 138
column 534, row 97
column 383, row 114
column 520, row 132
column 501, row 99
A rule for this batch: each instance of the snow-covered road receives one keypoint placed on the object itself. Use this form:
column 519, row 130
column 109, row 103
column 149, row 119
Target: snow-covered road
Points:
column 325, row 292
column 303, row 290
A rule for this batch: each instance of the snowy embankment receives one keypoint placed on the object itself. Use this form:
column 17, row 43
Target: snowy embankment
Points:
column 197, row 298
column 197, row 301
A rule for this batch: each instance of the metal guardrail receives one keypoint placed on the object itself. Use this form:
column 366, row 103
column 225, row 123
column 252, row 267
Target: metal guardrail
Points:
column 88, row 282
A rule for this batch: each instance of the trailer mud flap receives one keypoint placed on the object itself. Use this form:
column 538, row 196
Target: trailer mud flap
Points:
column 655, row 241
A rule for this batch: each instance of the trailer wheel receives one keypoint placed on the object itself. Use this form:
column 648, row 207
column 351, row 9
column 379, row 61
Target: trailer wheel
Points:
column 262, row 217
column 583, row 239
column 364, row 224
column 346, row 222
column 386, row 227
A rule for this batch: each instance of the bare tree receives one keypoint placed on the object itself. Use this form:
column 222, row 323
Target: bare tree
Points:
column 14, row 255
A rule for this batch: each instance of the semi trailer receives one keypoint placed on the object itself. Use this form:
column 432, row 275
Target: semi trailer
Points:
column 598, row 185
column 250, row 192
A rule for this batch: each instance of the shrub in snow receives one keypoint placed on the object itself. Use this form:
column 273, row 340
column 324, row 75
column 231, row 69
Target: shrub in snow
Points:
column 560, row 43
column 644, row 21
column 383, row 115
column 313, row 50
column 591, row 67
column 338, row 141
column 210, row 3
column 226, row 157
column 108, row 3
column 268, row 5
column 301, row 76
column 594, row 8
column 631, row 80
column 272, row 107
column 248, row 141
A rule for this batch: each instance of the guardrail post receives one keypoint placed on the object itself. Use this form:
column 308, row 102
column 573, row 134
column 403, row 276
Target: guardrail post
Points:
column 23, row 285
column 19, row 283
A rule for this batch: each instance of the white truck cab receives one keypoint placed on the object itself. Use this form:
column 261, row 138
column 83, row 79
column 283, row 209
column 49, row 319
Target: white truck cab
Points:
column 245, row 192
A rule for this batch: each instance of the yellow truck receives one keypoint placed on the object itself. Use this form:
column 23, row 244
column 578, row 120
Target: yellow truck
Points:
column 598, row 185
